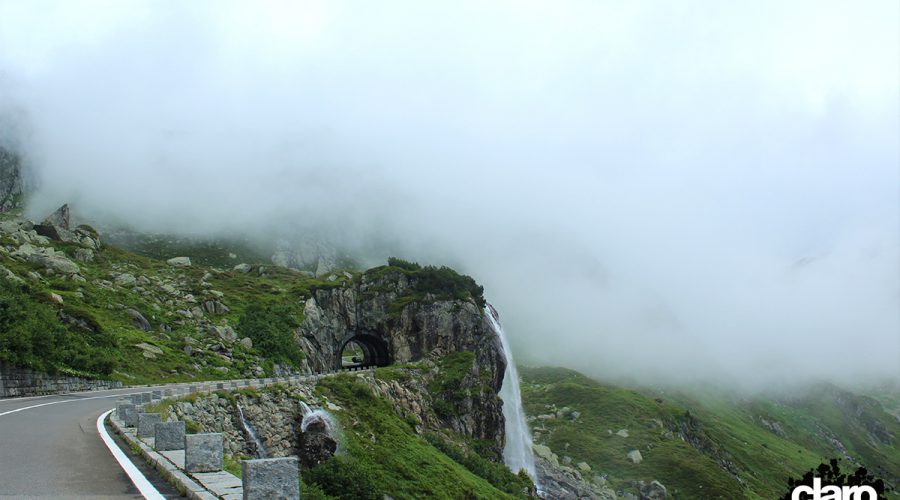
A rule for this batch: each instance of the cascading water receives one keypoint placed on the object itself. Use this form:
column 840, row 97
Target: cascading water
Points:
column 517, row 453
column 260, row 449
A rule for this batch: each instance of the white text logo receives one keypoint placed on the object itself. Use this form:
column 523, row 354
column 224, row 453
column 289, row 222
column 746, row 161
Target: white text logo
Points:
column 831, row 492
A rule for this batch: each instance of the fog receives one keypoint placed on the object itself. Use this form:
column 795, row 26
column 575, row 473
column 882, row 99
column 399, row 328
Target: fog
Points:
column 701, row 191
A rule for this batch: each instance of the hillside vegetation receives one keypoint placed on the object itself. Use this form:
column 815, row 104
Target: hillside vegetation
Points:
column 709, row 445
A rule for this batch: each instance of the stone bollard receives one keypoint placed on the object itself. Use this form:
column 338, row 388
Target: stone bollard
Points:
column 145, row 424
column 271, row 478
column 203, row 452
column 127, row 413
column 169, row 436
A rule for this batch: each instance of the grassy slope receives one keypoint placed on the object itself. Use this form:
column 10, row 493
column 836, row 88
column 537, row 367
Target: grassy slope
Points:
column 405, row 465
column 106, row 309
column 730, row 430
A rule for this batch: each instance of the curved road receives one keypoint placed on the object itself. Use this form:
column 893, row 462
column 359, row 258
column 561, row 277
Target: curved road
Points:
column 55, row 451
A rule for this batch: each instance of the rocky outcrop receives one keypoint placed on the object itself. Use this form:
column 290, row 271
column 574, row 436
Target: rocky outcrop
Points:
column 382, row 311
column 11, row 184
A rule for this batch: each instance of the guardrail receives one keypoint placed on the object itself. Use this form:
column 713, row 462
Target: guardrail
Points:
column 194, row 462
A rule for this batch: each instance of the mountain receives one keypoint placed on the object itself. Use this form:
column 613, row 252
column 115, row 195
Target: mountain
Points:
column 703, row 443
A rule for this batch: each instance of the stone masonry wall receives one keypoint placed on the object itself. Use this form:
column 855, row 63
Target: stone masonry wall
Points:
column 17, row 382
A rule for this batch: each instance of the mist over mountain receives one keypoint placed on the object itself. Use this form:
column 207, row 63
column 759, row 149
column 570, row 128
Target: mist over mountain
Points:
column 659, row 192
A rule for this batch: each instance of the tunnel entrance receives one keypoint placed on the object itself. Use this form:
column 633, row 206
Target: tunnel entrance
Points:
column 362, row 350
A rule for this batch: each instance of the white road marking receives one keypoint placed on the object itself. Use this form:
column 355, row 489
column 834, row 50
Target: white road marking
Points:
column 143, row 485
column 56, row 403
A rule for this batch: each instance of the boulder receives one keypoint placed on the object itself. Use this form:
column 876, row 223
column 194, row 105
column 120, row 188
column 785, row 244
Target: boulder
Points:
column 59, row 218
column 84, row 255
column 247, row 343
column 242, row 268
column 139, row 321
column 316, row 444
column 179, row 261
column 147, row 348
column 125, row 279
column 653, row 491
column 635, row 456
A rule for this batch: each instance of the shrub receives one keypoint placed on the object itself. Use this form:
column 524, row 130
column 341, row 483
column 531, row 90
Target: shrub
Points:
column 442, row 281
column 32, row 336
column 344, row 477
column 495, row 473
column 271, row 328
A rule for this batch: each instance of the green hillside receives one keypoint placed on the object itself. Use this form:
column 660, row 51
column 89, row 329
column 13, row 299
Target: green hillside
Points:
column 711, row 445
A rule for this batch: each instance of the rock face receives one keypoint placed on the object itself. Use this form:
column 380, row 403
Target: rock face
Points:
column 316, row 444
column 376, row 311
column 11, row 185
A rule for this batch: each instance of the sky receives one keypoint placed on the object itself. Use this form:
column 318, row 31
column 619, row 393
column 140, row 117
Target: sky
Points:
column 657, row 191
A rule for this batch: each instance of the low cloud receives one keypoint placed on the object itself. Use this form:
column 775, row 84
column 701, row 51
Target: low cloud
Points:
column 658, row 192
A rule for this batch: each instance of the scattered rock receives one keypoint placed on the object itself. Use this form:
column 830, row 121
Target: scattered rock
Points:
column 56, row 298
column 242, row 268
column 11, row 276
column 635, row 456
column 139, row 321
column 653, row 491
column 179, row 261
column 247, row 343
column 125, row 279
column 84, row 255
column 150, row 351
column 583, row 467
column 215, row 307
column 622, row 432
column 545, row 453
column 59, row 218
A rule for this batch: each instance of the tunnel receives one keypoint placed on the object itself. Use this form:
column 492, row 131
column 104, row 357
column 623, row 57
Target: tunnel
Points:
column 362, row 350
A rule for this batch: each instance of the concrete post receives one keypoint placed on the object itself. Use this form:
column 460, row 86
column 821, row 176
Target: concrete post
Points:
column 127, row 413
column 203, row 452
column 271, row 478
column 168, row 436
column 145, row 424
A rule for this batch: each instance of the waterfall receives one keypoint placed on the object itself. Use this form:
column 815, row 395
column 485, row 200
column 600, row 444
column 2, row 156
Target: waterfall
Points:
column 260, row 449
column 319, row 415
column 517, row 453
column 306, row 409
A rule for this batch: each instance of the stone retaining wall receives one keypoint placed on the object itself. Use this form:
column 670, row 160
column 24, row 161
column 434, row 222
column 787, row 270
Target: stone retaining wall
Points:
column 17, row 382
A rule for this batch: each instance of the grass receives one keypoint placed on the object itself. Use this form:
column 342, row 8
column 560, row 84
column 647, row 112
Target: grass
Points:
column 389, row 452
column 730, row 440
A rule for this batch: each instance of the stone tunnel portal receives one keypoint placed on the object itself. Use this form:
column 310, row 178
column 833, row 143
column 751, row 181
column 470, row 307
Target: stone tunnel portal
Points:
column 362, row 350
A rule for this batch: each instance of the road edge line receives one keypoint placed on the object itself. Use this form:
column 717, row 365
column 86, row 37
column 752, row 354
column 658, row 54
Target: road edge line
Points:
column 147, row 490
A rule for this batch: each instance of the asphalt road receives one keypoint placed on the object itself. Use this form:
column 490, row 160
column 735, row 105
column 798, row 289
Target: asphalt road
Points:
column 55, row 450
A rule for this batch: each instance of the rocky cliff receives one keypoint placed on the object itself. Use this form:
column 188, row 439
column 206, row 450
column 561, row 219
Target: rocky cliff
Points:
column 11, row 183
column 398, row 320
